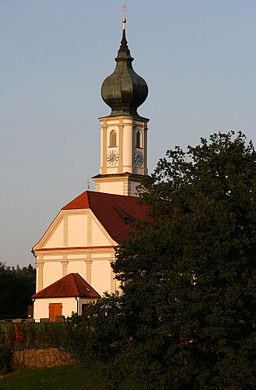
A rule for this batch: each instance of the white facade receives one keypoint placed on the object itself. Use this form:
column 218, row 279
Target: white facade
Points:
column 76, row 242
column 69, row 306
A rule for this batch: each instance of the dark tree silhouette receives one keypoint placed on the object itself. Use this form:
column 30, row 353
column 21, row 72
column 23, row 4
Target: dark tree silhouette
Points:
column 17, row 285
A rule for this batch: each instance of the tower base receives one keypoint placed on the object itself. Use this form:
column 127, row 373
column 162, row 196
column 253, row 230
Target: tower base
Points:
column 119, row 184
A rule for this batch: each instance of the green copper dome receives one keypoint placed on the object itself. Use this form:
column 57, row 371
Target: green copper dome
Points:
column 124, row 91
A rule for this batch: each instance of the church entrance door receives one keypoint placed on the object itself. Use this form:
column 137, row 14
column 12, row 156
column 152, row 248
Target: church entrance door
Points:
column 55, row 309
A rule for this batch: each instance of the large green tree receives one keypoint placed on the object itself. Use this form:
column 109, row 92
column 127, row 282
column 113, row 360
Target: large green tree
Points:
column 189, row 271
column 187, row 315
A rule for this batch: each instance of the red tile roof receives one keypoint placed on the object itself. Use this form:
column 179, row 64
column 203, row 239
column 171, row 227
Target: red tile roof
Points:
column 71, row 285
column 115, row 212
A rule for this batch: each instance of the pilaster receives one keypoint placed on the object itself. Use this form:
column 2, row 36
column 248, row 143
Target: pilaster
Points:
column 64, row 267
column 88, row 270
column 40, row 271
column 112, row 281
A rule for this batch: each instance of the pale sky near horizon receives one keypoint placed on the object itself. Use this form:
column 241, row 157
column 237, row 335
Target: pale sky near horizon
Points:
column 198, row 58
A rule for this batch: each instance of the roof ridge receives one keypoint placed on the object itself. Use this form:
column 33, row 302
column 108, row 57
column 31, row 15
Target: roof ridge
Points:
column 74, row 279
column 115, row 212
column 68, row 286
column 113, row 195
column 88, row 198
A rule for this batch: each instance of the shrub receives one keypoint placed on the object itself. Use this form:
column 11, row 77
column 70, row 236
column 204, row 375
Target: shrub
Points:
column 96, row 335
column 37, row 335
column 6, row 354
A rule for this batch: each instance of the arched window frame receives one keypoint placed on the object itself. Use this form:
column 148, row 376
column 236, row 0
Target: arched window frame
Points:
column 138, row 139
column 112, row 138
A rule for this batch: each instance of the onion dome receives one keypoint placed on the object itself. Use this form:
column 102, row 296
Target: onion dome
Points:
column 124, row 91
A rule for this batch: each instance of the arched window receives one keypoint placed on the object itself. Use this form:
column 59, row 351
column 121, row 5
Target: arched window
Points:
column 138, row 139
column 112, row 138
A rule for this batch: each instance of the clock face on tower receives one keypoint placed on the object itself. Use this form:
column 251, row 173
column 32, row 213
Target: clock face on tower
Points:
column 112, row 157
column 138, row 158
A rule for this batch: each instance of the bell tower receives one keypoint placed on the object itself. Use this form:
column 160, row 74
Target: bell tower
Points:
column 124, row 131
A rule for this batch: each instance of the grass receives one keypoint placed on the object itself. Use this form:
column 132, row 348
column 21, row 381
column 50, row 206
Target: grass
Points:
column 55, row 378
column 75, row 377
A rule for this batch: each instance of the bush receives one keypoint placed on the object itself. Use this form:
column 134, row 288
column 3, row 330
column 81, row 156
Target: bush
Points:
column 96, row 334
column 6, row 354
column 37, row 335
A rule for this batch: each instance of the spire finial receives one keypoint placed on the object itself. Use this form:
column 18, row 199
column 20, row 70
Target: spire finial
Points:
column 88, row 185
column 124, row 9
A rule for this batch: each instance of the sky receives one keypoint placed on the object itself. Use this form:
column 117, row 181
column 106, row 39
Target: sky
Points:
column 197, row 57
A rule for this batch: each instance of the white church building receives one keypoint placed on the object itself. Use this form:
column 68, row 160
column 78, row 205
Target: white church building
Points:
column 73, row 258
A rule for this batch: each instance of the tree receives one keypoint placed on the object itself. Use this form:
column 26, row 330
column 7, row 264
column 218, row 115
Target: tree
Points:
column 16, row 288
column 189, row 270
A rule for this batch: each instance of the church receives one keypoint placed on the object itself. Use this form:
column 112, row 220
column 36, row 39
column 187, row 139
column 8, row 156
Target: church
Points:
column 74, row 256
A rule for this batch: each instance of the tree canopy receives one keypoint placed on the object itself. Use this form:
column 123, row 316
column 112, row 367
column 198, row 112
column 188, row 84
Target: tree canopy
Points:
column 186, row 317
column 16, row 288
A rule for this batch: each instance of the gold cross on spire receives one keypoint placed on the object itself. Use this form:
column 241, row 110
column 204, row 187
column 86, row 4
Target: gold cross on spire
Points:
column 124, row 9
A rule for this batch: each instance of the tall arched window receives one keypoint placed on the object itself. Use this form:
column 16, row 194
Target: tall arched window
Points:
column 112, row 138
column 138, row 139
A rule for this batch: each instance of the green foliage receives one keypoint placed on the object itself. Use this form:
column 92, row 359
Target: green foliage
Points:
column 97, row 333
column 35, row 335
column 189, row 272
column 17, row 285
column 6, row 354
column 186, row 319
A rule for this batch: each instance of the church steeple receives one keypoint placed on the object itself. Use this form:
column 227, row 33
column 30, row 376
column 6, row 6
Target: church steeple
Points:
column 124, row 91
column 123, row 132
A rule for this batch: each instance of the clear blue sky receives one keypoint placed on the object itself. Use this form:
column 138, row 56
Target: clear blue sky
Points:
column 198, row 58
